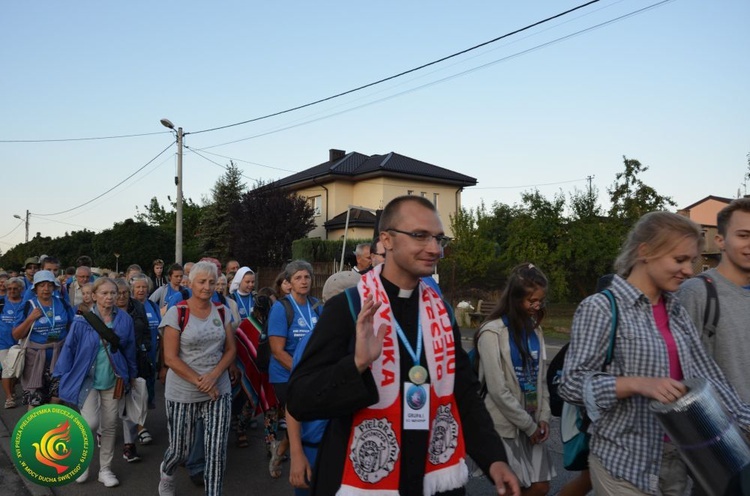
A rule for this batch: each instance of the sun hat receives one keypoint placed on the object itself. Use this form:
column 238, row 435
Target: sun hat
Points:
column 31, row 261
column 45, row 276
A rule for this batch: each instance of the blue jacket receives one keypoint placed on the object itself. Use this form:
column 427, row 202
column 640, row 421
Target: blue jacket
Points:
column 79, row 351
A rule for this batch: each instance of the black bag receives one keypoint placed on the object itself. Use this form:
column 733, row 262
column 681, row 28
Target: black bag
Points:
column 144, row 364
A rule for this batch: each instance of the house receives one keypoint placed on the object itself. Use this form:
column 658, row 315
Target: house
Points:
column 703, row 212
column 367, row 183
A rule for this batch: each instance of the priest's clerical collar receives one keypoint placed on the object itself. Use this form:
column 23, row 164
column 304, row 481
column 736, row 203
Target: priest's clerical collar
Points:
column 405, row 293
column 394, row 290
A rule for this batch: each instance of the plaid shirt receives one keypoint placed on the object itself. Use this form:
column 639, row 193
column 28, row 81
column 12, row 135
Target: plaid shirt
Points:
column 626, row 436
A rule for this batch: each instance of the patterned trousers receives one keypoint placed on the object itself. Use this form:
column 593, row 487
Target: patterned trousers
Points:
column 181, row 425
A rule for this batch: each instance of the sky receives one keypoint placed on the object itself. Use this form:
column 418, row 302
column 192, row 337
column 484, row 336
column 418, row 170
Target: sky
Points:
column 544, row 109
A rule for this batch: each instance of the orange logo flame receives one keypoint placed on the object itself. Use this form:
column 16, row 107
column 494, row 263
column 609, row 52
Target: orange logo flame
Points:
column 53, row 447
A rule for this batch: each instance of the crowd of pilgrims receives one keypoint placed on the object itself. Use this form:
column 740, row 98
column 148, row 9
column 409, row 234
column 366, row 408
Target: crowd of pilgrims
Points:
column 199, row 331
column 209, row 362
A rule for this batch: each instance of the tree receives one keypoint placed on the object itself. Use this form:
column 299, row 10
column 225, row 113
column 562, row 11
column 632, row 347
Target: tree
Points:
column 216, row 218
column 471, row 259
column 591, row 243
column 631, row 198
column 157, row 216
column 267, row 221
column 136, row 242
column 537, row 234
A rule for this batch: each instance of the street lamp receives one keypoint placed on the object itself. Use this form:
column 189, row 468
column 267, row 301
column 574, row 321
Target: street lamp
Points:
column 27, row 223
column 178, row 182
column 117, row 264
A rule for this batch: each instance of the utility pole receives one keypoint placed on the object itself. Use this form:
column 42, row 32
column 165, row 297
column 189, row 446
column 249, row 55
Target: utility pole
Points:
column 178, row 182
column 27, row 224
column 589, row 179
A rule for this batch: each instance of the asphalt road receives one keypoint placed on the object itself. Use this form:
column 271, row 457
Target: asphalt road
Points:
column 247, row 468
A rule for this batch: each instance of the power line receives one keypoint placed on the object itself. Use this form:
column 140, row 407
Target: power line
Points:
column 12, row 230
column 241, row 160
column 403, row 73
column 90, row 138
column 531, row 185
column 218, row 164
column 110, row 189
column 442, row 80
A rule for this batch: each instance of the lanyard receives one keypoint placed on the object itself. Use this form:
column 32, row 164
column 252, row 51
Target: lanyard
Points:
column 47, row 314
column 415, row 355
column 309, row 312
column 239, row 299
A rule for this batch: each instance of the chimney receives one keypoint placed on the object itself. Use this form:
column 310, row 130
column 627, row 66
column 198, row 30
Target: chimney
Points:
column 334, row 154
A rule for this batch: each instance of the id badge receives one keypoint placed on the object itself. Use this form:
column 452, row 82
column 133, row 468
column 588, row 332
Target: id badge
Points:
column 416, row 406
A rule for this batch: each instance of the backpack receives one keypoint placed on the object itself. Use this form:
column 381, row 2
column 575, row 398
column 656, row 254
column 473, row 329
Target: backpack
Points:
column 712, row 303
column 263, row 356
column 186, row 295
column 555, row 368
column 573, row 421
column 474, row 361
column 183, row 314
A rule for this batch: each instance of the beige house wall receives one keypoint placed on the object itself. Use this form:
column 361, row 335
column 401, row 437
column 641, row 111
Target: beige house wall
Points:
column 705, row 213
column 375, row 194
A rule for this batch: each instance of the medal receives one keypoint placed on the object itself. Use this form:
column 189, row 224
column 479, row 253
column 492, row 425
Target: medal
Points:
column 418, row 375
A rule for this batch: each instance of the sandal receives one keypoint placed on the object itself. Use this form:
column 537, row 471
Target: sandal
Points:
column 10, row 403
column 242, row 440
column 144, row 436
column 274, row 464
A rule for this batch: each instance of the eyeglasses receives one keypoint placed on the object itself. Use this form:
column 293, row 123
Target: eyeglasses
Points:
column 378, row 254
column 424, row 237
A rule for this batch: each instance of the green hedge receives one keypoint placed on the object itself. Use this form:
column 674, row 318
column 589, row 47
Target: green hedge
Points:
column 322, row 250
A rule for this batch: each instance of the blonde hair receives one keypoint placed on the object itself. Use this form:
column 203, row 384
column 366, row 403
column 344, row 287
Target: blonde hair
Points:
column 660, row 232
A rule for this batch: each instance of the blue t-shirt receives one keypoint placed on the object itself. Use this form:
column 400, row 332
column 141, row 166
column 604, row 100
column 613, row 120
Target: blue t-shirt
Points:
column 7, row 322
column 245, row 304
column 53, row 325
column 154, row 319
column 303, row 322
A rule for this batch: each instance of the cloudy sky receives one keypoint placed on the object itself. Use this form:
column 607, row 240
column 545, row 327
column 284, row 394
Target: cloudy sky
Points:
column 663, row 82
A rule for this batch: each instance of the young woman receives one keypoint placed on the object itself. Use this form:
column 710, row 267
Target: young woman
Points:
column 199, row 347
column 284, row 335
column 510, row 344
column 657, row 346
column 88, row 369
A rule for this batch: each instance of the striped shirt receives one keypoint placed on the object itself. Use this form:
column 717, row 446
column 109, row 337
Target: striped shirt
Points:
column 626, row 436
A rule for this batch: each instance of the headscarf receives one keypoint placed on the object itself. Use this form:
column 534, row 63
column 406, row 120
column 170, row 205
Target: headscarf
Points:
column 238, row 278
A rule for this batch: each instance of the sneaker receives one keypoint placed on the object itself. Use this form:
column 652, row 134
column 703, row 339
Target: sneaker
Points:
column 107, row 478
column 130, row 454
column 166, row 484
column 83, row 477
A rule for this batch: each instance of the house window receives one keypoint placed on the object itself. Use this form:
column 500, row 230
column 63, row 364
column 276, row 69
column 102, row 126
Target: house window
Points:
column 424, row 194
column 409, row 191
column 435, row 198
column 316, row 203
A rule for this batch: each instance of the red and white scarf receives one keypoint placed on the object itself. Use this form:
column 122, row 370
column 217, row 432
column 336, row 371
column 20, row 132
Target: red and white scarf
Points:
column 373, row 459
